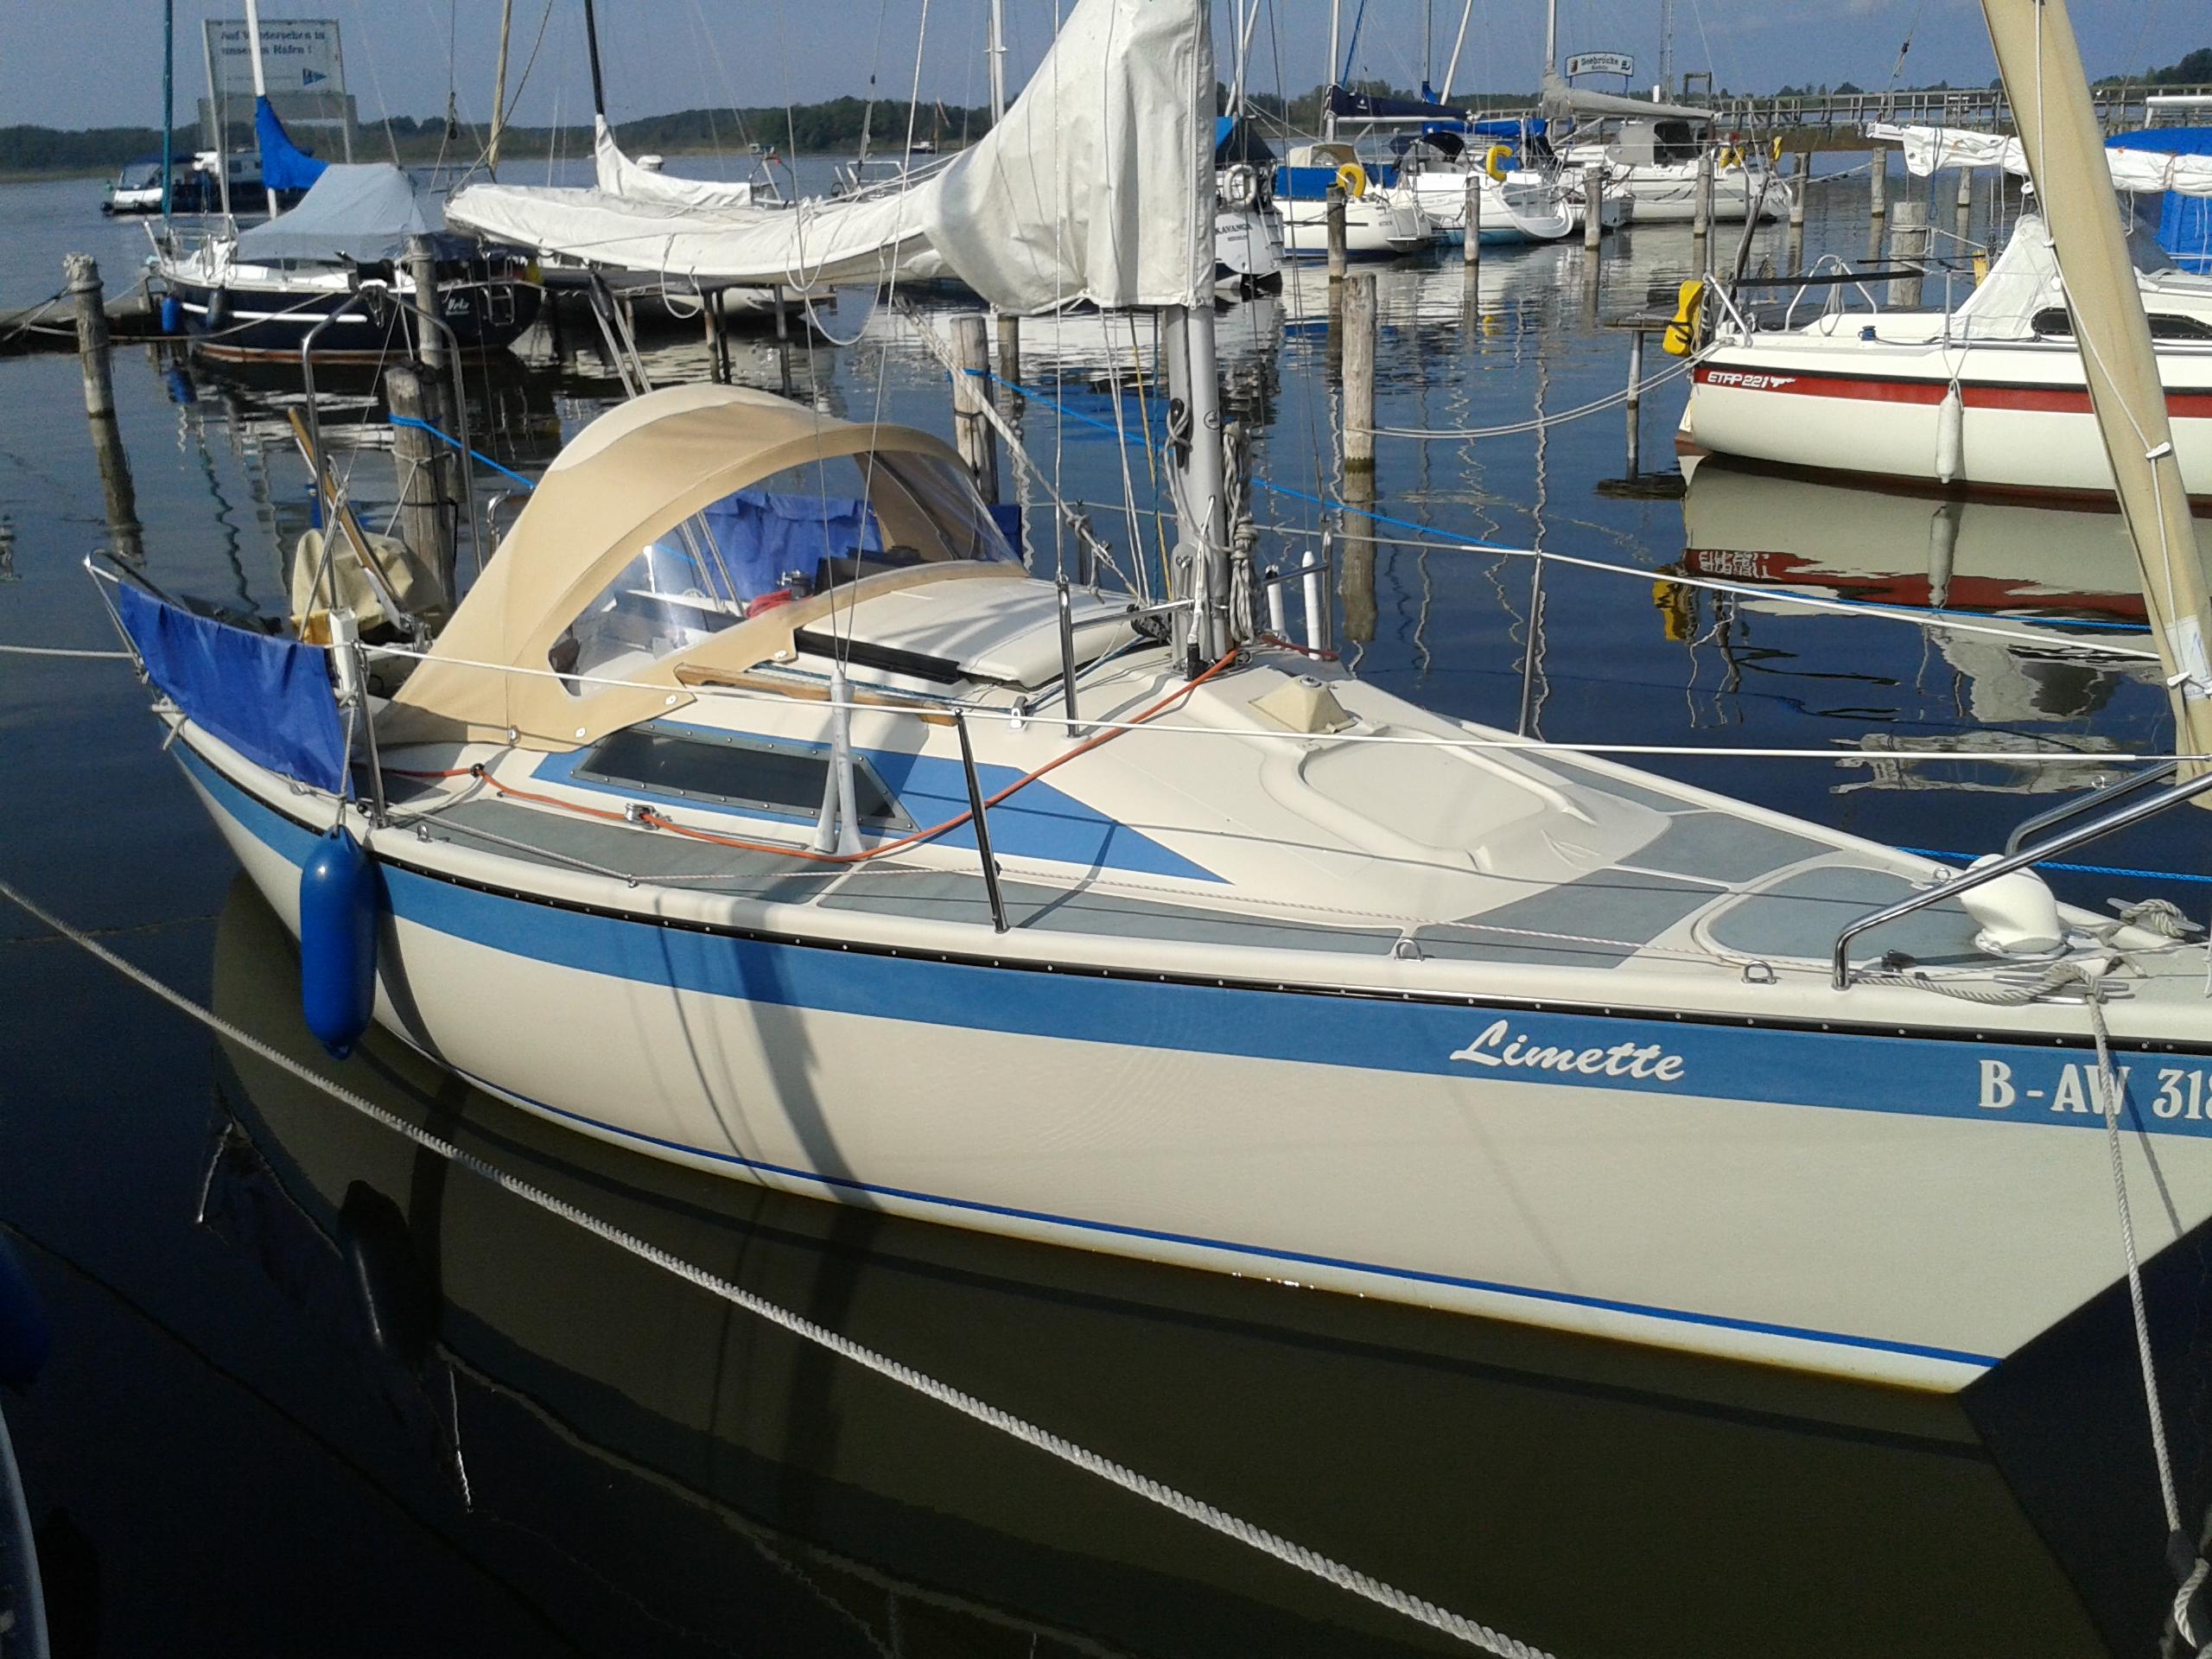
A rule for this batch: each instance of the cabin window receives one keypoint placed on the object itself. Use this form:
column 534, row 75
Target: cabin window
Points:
column 1674, row 144
column 798, row 533
column 780, row 778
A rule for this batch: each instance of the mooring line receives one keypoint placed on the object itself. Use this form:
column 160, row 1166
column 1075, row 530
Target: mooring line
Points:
column 1312, row 1562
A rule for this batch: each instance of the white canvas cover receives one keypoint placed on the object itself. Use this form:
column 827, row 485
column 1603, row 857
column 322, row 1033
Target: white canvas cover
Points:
column 620, row 176
column 1098, row 186
column 1930, row 150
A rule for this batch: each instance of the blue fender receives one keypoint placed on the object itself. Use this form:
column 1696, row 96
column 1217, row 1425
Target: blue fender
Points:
column 338, row 941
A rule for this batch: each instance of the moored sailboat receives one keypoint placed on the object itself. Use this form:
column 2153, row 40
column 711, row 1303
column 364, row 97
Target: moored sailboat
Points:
column 758, row 810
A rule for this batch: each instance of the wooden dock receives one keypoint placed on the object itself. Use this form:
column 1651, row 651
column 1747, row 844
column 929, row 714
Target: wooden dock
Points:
column 52, row 325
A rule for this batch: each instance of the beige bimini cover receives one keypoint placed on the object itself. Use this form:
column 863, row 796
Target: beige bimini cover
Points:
column 631, row 476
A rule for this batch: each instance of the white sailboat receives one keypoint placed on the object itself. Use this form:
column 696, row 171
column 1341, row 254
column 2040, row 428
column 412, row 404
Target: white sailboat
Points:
column 1992, row 394
column 1654, row 154
column 756, row 810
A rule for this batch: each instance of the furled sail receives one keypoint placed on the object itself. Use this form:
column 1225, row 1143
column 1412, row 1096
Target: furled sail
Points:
column 620, row 176
column 1930, row 150
column 1098, row 187
column 284, row 166
column 1559, row 99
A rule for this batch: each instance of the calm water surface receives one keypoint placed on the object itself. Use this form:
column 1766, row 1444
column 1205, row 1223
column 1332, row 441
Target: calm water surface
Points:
column 311, row 1392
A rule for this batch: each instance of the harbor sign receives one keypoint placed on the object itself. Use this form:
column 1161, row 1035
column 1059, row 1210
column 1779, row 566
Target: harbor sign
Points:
column 298, row 54
column 1600, row 63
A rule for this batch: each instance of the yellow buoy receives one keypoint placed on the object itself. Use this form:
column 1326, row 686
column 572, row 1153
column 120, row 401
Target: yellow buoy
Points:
column 1353, row 177
column 1680, row 338
column 1495, row 160
column 1775, row 152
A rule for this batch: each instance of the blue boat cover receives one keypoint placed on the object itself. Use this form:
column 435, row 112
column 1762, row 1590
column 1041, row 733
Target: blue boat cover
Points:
column 2184, row 222
column 284, row 165
column 268, row 698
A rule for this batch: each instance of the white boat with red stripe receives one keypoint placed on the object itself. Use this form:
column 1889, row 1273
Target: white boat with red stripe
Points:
column 1990, row 396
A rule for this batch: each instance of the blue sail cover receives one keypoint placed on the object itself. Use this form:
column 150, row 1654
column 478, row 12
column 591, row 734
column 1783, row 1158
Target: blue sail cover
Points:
column 284, row 165
column 2185, row 222
column 268, row 698
column 1360, row 106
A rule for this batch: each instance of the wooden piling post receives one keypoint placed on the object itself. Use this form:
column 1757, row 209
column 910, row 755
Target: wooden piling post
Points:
column 1799, row 182
column 1877, row 183
column 82, row 273
column 425, row 523
column 971, row 391
column 710, row 305
column 1471, row 249
column 1908, row 245
column 1339, row 258
column 1593, row 208
column 422, row 269
column 1701, row 208
column 1359, row 375
column 1635, row 399
column 1964, row 203
column 1009, row 348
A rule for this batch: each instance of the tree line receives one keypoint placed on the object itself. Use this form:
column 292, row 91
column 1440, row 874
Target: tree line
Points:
column 834, row 126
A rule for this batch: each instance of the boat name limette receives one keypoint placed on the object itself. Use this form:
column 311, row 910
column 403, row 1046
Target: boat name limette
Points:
column 1497, row 1046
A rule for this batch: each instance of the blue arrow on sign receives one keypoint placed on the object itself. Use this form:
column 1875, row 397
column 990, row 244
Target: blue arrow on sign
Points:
column 308, row 77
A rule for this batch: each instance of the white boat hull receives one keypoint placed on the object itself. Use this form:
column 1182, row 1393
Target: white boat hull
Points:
column 1376, row 226
column 1876, row 408
column 1365, row 1144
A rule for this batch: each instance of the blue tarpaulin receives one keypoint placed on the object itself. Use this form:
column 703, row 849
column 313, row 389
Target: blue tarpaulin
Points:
column 268, row 698
column 284, row 165
column 2184, row 222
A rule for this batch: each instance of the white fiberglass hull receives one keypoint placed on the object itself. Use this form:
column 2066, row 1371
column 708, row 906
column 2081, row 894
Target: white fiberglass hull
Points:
column 1376, row 226
column 1667, row 194
column 1905, row 1208
column 1877, row 408
column 1522, row 207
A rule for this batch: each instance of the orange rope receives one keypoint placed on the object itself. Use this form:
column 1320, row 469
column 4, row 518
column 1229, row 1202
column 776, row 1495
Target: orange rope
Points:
column 653, row 820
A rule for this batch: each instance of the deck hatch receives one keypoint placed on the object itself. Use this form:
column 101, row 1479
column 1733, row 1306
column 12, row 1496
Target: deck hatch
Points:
column 782, row 778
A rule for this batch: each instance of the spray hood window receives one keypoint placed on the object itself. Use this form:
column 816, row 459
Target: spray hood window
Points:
column 799, row 532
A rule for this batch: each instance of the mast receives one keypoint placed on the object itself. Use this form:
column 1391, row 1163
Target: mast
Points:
column 219, row 108
column 1458, row 40
column 1328, row 105
column 168, row 102
column 260, row 92
column 1429, row 43
column 1194, row 375
column 1551, row 38
column 499, row 88
column 1666, row 49
column 2040, row 63
column 996, row 49
column 591, row 40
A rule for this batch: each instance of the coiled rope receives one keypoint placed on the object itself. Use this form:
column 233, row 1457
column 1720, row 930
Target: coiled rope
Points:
column 1312, row 1562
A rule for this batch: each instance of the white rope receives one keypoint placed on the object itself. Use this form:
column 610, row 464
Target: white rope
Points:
column 2109, row 1082
column 1544, row 421
column 1292, row 1554
column 63, row 651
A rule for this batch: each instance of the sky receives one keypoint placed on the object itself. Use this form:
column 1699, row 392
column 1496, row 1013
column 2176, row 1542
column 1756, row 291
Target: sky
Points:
column 103, row 67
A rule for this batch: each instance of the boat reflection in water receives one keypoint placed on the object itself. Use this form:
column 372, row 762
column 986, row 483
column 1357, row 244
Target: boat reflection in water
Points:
column 655, row 1444
column 2065, row 574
